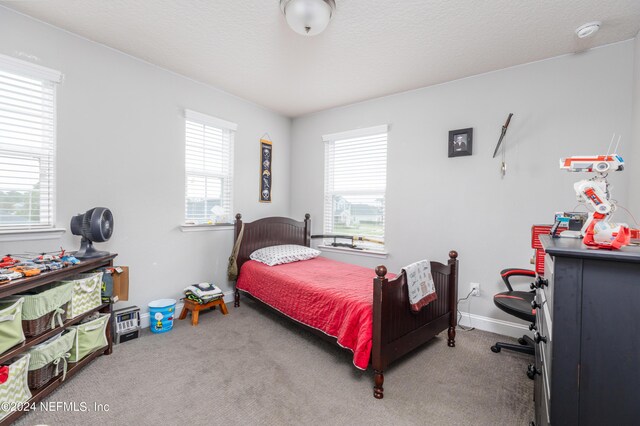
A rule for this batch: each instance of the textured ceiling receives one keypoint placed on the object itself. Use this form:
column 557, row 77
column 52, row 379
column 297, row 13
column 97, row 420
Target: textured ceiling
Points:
column 371, row 48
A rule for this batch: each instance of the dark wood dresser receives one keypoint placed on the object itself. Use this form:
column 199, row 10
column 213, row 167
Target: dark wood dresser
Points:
column 587, row 366
column 24, row 284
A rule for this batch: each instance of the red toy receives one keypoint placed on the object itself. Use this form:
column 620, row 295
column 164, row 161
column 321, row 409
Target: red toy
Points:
column 8, row 261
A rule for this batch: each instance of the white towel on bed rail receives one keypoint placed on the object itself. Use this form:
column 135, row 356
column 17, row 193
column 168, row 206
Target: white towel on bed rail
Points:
column 422, row 290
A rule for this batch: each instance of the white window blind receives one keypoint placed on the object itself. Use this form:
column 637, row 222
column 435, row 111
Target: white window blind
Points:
column 27, row 144
column 355, row 182
column 209, row 169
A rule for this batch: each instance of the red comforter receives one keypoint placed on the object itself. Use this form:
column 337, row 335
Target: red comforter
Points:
column 331, row 296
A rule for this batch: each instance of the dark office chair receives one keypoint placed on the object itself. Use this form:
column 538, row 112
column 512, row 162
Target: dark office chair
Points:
column 518, row 304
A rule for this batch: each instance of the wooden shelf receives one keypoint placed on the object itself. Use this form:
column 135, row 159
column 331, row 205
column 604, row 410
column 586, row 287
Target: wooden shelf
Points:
column 24, row 284
column 32, row 341
column 39, row 394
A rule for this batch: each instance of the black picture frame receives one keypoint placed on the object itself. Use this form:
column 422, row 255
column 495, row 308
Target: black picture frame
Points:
column 460, row 142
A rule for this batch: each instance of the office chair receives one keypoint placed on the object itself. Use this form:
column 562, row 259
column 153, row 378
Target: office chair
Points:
column 518, row 304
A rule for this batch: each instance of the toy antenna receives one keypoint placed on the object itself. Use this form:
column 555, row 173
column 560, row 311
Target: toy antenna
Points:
column 616, row 150
column 610, row 144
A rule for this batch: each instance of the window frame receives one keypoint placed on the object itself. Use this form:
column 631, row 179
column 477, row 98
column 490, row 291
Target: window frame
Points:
column 365, row 249
column 51, row 78
column 205, row 120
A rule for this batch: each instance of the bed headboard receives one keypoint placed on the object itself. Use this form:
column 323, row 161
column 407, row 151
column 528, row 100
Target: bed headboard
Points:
column 271, row 231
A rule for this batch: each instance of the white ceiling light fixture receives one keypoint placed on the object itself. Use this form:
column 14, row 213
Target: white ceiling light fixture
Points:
column 588, row 29
column 308, row 17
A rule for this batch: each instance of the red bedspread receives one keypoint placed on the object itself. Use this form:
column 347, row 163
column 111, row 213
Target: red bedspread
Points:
column 331, row 296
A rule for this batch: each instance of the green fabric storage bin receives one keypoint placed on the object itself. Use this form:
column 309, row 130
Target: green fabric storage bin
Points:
column 13, row 384
column 11, row 332
column 87, row 293
column 49, row 359
column 90, row 337
column 44, row 308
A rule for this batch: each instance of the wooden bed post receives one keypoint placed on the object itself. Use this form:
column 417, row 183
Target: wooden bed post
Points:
column 307, row 230
column 377, row 360
column 453, row 298
column 236, row 231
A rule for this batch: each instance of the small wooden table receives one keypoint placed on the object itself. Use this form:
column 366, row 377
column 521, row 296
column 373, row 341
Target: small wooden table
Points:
column 195, row 308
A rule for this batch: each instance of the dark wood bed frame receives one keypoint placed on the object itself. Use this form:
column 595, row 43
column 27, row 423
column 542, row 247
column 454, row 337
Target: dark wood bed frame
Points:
column 396, row 330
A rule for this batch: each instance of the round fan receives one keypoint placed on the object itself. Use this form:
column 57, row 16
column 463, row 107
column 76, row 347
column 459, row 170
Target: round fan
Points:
column 96, row 225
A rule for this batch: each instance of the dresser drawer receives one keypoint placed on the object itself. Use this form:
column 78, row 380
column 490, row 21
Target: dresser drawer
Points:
column 546, row 398
column 541, row 391
column 544, row 330
column 549, row 277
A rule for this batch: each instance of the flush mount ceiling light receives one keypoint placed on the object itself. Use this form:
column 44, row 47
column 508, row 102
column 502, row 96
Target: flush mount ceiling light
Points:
column 588, row 29
column 308, row 17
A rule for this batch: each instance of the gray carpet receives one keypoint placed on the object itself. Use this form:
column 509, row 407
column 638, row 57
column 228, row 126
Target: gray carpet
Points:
column 253, row 367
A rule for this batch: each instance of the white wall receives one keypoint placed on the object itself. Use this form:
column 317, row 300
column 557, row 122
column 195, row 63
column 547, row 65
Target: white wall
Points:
column 634, row 163
column 121, row 145
column 564, row 106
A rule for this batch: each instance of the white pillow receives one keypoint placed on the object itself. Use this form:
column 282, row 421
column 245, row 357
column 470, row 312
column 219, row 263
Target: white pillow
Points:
column 276, row 255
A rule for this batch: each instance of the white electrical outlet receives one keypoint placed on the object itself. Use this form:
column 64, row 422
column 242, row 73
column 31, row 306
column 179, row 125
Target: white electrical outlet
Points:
column 475, row 289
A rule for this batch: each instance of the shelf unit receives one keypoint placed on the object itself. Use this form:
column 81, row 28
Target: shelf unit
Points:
column 24, row 284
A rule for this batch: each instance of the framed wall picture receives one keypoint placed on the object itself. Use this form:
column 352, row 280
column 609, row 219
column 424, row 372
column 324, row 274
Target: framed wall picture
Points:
column 460, row 142
column 266, row 159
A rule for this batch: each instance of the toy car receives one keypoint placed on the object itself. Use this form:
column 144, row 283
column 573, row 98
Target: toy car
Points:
column 41, row 266
column 27, row 271
column 54, row 265
column 8, row 261
column 71, row 260
column 11, row 275
column 46, row 258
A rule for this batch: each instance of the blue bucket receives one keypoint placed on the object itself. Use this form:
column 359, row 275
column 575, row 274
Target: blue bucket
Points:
column 161, row 313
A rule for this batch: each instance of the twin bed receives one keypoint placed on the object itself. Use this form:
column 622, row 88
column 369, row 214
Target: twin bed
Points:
column 339, row 302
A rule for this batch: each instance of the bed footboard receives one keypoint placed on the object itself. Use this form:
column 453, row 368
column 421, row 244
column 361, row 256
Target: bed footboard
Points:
column 396, row 330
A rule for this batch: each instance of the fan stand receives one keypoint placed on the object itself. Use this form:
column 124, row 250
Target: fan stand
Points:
column 87, row 251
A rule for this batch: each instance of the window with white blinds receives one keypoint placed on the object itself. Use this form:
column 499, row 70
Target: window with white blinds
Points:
column 209, row 169
column 27, row 145
column 355, row 182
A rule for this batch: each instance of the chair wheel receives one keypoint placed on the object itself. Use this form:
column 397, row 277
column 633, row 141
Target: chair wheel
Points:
column 495, row 349
column 522, row 341
column 531, row 375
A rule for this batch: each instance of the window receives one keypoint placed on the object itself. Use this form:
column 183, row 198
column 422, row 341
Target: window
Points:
column 355, row 181
column 209, row 169
column 27, row 145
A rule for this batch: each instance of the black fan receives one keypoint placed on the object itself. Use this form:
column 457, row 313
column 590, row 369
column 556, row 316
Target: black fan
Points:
column 94, row 225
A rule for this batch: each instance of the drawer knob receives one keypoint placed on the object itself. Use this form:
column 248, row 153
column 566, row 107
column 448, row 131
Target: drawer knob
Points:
column 542, row 282
column 539, row 283
column 539, row 338
column 532, row 327
column 532, row 371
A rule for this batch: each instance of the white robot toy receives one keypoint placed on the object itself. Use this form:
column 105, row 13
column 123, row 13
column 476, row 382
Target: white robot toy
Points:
column 597, row 230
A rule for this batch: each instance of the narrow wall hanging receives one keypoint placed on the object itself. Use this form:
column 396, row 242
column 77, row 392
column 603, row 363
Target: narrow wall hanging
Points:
column 503, row 132
column 266, row 149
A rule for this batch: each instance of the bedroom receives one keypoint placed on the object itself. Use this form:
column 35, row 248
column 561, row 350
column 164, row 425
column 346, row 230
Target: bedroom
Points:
column 129, row 71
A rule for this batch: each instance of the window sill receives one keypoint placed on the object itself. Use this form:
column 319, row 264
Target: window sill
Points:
column 346, row 250
column 207, row 227
column 31, row 234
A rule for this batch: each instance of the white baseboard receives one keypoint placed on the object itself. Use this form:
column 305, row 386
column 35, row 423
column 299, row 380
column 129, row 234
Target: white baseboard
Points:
column 144, row 318
column 506, row 328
